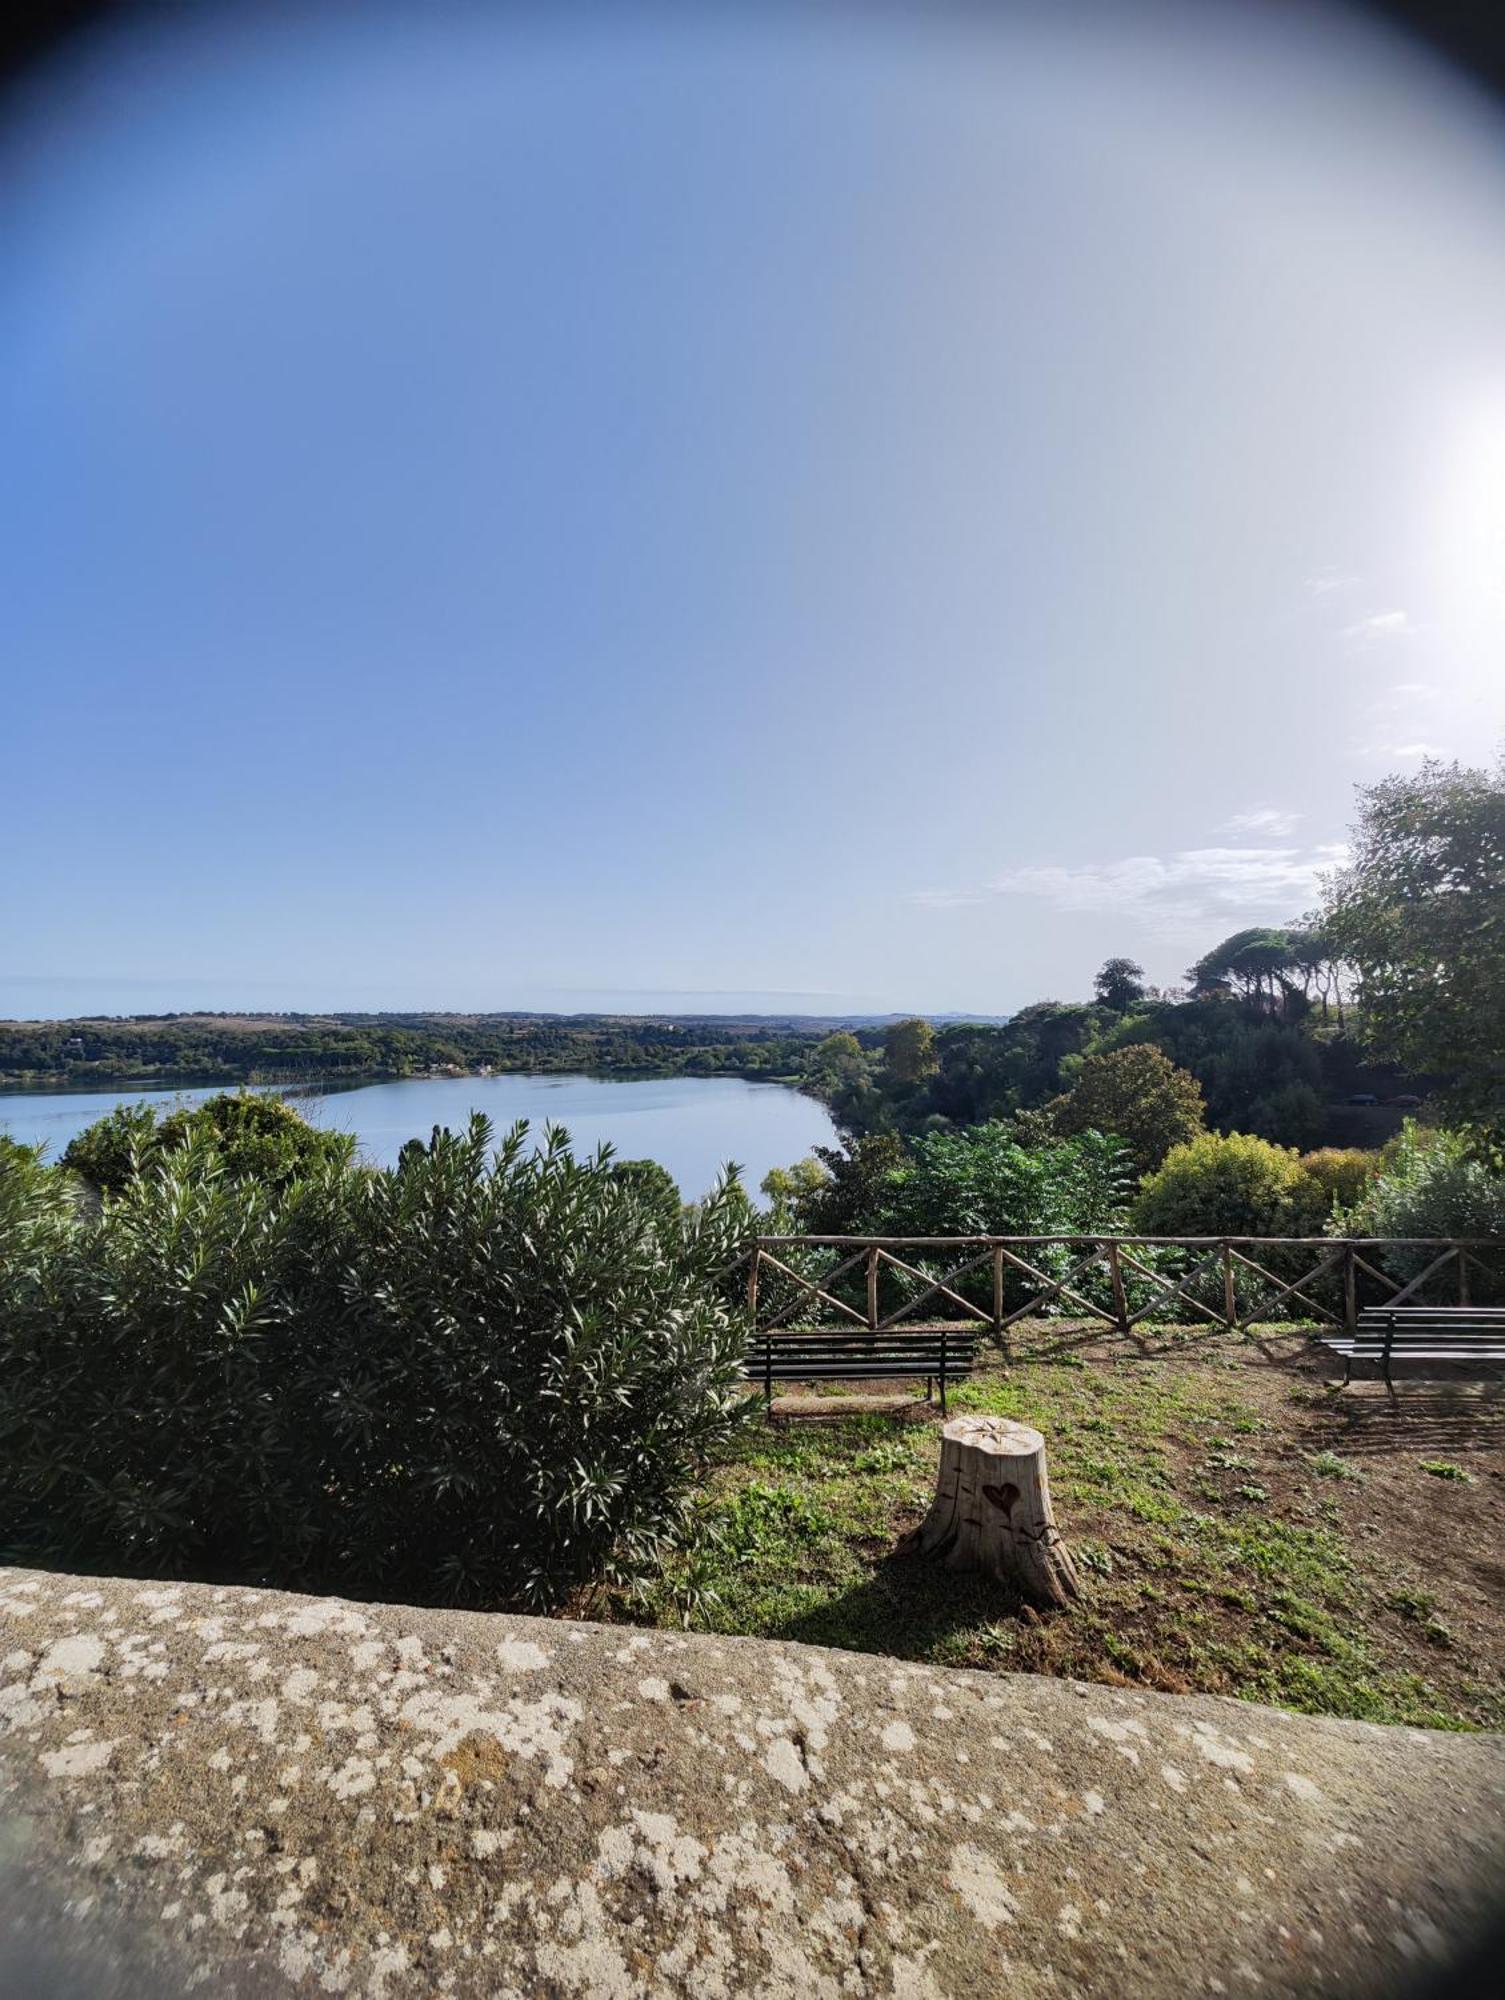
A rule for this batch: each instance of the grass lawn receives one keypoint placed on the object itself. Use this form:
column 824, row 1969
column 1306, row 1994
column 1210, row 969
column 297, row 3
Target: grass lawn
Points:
column 1238, row 1528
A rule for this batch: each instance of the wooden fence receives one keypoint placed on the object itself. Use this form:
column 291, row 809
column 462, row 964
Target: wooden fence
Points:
column 1229, row 1270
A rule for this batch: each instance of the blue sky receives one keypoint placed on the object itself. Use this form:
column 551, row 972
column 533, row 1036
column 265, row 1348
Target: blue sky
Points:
column 780, row 510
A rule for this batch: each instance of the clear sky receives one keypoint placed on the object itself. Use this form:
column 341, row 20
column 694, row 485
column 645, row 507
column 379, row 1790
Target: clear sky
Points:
column 727, row 508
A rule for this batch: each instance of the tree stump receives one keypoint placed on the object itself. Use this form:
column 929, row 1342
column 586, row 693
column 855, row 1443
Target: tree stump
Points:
column 992, row 1510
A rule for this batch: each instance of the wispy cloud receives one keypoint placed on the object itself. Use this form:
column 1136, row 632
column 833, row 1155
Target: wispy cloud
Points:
column 1273, row 820
column 1399, row 752
column 1168, row 894
column 1323, row 582
column 1381, row 628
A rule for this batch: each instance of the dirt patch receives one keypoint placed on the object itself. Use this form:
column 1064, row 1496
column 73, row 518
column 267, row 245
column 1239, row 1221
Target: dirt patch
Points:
column 1241, row 1528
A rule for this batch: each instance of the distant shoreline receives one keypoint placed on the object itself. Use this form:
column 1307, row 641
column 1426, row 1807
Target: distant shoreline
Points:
column 42, row 1085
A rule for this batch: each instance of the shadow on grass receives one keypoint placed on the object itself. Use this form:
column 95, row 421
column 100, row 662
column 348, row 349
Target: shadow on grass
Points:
column 1422, row 1419
column 904, row 1607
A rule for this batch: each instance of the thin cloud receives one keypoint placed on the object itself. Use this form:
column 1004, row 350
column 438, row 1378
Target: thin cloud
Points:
column 1391, row 751
column 1323, row 582
column 1273, row 820
column 1382, row 628
column 1168, row 894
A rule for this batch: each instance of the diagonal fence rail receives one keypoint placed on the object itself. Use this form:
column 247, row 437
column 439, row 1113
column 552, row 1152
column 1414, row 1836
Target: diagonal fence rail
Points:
column 880, row 1282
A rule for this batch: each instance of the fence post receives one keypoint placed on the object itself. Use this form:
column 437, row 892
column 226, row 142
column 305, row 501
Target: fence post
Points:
column 1120, row 1303
column 1230, row 1297
column 1463, row 1297
column 998, row 1289
column 1350, row 1288
column 872, row 1288
column 752, row 1285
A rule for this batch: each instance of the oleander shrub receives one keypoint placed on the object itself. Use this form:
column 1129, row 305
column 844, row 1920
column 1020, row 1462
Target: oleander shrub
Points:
column 255, row 1136
column 1431, row 1182
column 483, row 1376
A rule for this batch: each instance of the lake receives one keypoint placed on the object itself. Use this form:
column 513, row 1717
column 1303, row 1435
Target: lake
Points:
column 691, row 1125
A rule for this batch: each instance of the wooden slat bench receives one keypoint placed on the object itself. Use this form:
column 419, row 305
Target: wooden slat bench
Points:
column 901, row 1353
column 1470, row 1336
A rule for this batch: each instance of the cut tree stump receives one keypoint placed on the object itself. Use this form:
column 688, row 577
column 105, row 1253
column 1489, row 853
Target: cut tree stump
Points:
column 992, row 1510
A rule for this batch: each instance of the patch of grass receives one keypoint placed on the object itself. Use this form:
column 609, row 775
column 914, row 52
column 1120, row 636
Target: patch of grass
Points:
column 1229, row 1461
column 1205, row 1561
column 1328, row 1465
column 1444, row 1468
column 1416, row 1605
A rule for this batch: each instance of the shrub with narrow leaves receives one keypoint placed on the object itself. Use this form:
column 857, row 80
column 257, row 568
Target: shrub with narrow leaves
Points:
column 1433, row 1183
column 477, row 1377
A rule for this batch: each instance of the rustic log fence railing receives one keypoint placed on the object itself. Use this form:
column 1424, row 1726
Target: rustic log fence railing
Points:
column 1225, row 1279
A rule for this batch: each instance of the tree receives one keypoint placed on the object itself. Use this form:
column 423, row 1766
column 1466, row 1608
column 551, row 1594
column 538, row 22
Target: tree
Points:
column 250, row 1136
column 789, row 1192
column 909, row 1049
column 1250, row 963
column 1137, row 1093
column 1120, row 984
column 653, row 1185
column 838, row 1056
column 1420, row 912
column 855, row 1188
column 1317, row 966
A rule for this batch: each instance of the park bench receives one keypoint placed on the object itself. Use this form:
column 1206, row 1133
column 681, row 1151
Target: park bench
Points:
column 901, row 1353
column 1467, row 1336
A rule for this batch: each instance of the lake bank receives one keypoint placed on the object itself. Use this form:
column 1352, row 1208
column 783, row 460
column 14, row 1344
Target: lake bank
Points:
column 690, row 1125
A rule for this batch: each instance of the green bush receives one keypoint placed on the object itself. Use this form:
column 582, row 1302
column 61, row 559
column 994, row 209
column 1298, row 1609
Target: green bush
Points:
column 1227, row 1185
column 256, row 1137
column 984, row 1183
column 1339, row 1176
column 1429, row 1183
column 471, row 1378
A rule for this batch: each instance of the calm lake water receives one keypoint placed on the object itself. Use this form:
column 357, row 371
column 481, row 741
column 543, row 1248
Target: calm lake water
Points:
column 691, row 1125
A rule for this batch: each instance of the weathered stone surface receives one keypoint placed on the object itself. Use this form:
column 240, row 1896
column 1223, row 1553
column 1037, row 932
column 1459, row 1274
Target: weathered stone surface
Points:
column 288, row 1793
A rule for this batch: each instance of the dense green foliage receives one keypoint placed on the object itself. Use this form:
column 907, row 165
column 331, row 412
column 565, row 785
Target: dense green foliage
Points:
column 1341, row 1173
column 984, row 1181
column 1420, row 911
column 238, row 1048
column 1427, row 1183
column 1230, row 1185
column 256, row 1137
column 1136, row 1093
column 1283, row 1073
column 472, row 1378
column 909, row 1050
